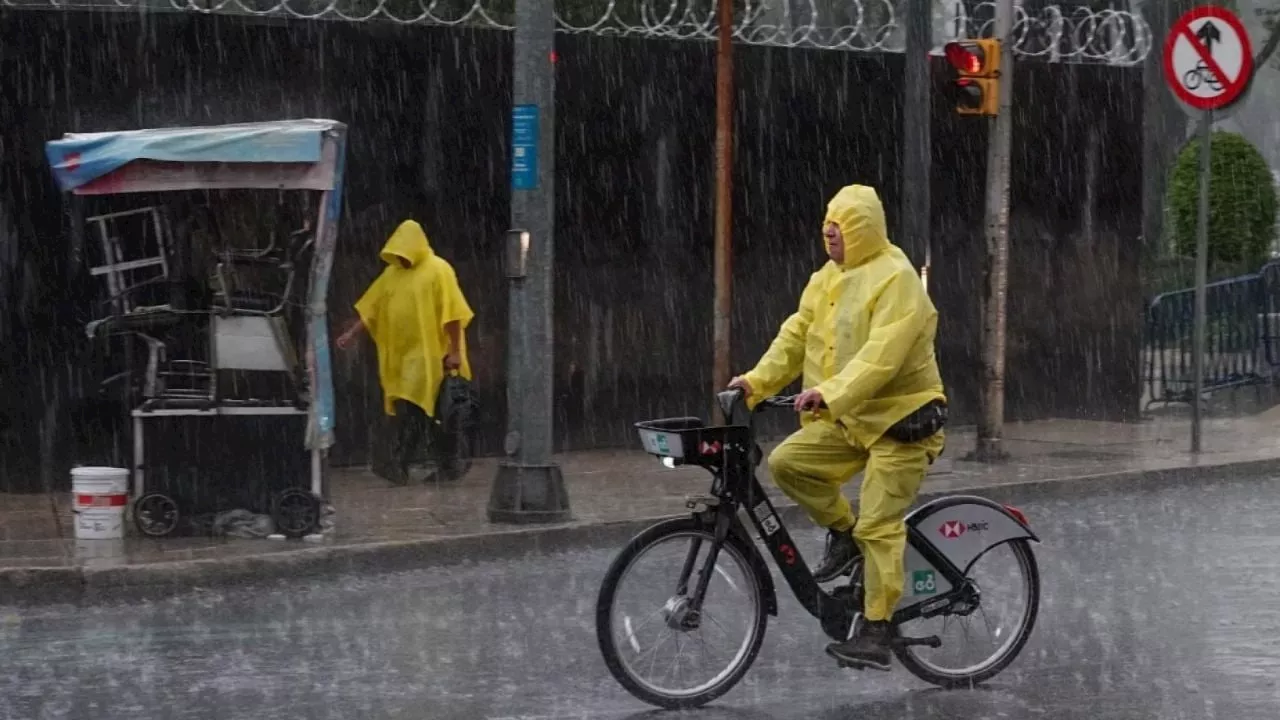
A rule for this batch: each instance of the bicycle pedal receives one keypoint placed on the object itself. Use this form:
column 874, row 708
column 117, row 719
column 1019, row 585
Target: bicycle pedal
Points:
column 932, row 641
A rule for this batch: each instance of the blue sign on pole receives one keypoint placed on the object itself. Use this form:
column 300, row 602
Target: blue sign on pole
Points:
column 524, row 147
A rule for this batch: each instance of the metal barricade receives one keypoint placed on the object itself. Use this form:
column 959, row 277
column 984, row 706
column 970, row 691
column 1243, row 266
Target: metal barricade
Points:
column 1240, row 337
column 1269, row 317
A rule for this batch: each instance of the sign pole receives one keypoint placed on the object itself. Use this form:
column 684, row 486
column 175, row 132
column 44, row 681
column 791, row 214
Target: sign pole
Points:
column 1208, row 64
column 529, row 486
column 1202, row 273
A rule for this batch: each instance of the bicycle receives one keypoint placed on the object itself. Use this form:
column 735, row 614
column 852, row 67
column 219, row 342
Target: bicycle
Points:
column 1201, row 74
column 938, row 573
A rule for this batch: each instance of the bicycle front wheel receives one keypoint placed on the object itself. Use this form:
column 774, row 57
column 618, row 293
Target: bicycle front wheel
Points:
column 660, row 647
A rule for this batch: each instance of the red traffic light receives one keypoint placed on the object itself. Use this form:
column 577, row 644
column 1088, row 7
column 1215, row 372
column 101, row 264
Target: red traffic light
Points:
column 963, row 58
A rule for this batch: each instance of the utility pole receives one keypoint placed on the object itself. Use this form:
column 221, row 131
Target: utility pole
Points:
column 529, row 487
column 917, row 110
column 991, row 423
column 722, row 371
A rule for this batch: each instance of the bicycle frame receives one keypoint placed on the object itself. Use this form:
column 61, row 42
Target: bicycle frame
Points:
column 728, row 452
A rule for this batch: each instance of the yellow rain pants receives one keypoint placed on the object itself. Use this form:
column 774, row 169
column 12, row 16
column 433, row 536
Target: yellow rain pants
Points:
column 811, row 465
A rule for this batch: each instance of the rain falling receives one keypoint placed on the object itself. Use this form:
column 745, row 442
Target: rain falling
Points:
column 227, row 489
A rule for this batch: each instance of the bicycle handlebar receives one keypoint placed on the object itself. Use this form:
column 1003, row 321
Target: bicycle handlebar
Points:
column 784, row 401
column 733, row 404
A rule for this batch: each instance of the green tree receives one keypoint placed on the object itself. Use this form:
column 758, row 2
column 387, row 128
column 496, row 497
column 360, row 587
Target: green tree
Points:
column 1242, row 202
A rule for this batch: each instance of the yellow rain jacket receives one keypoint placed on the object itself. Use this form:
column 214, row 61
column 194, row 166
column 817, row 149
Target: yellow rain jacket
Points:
column 405, row 311
column 864, row 333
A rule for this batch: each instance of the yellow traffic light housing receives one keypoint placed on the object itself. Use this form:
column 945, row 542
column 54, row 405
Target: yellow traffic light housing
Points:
column 975, row 76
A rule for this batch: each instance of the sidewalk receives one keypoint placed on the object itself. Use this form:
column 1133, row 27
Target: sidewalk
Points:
column 607, row 489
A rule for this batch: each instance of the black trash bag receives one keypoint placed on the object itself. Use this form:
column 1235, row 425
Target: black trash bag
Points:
column 457, row 417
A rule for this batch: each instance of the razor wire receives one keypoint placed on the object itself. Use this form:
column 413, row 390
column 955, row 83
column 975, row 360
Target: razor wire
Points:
column 1056, row 33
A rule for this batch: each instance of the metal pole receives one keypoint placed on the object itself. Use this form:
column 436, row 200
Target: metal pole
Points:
column 991, row 423
column 1202, row 272
column 529, row 487
column 916, row 148
column 722, row 370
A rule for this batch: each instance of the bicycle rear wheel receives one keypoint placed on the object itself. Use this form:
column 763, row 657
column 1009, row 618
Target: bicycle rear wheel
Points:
column 643, row 615
column 997, row 570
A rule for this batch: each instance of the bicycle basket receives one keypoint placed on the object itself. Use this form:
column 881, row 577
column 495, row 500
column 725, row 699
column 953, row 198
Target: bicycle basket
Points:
column 688, row 440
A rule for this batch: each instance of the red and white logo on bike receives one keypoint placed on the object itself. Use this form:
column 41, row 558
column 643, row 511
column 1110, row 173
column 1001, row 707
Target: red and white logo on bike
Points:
column 952, row 529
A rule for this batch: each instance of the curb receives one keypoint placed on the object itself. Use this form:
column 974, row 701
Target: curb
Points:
column 154, row 581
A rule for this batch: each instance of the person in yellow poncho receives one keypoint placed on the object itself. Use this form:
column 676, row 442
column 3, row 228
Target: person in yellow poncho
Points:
column 863, row 338
column 417, row 316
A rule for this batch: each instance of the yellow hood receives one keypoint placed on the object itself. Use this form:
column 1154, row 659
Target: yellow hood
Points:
column 409, row 241
column 856, row 209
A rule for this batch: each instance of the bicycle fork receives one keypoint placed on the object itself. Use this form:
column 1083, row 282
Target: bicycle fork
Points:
column 684, row 610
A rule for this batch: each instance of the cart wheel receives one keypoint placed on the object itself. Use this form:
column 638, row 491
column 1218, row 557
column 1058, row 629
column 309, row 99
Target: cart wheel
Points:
column 296, row 513
column 155, row 514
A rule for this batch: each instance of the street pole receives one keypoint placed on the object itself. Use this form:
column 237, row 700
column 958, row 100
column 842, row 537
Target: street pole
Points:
column 991, row 423
column 722, row 370
column 528, row 486
column 1202, row 272
column 917, row 108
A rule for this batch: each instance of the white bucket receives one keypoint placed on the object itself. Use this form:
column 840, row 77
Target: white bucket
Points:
column 99, row 497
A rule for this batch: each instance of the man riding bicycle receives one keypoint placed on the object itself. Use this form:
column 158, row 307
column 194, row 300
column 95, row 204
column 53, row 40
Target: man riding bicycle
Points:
column 863, row 337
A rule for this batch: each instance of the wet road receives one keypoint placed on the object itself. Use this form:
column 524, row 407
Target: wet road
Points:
column 1160, row 605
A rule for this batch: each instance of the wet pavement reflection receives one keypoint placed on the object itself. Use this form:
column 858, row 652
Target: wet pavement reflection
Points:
column 1158, row 604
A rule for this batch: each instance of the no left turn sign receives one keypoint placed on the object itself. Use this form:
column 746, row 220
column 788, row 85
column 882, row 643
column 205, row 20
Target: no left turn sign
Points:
column 1208, row 60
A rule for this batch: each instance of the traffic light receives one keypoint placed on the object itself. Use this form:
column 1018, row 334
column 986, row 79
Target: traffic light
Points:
column 975, row 79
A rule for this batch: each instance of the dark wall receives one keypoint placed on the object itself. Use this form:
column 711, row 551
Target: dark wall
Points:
column 427, row 110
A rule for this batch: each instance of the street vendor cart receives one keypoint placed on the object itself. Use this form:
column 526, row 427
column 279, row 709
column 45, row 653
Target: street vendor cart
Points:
column 223, row 333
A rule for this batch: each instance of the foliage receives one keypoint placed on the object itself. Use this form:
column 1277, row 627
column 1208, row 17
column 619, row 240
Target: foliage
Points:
column 1242, row 202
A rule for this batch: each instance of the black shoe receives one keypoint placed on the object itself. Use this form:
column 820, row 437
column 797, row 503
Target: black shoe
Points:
column 868, row 649
column 839, row 556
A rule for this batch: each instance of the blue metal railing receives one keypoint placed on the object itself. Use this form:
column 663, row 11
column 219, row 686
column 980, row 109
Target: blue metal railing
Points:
column 1242, row 337
column 1271, row 324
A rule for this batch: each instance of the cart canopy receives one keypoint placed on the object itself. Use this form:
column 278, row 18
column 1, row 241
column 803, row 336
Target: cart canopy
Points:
column 285, row 154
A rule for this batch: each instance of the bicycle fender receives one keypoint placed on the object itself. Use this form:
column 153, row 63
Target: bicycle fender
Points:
column 963, row 527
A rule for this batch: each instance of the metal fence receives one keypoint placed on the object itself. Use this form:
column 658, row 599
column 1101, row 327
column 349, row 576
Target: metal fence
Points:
column 1242, row 337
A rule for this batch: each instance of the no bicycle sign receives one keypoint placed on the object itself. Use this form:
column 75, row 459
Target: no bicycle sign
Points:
column 1208, row 60
column 1208, row 64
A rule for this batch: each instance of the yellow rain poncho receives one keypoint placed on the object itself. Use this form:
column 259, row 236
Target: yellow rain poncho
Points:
column 863, row 336
column 864, row 332
column 405, row 311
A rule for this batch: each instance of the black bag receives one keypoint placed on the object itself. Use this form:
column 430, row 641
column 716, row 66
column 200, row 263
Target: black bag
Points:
column 457, row 417
column 920, row 424
column 457, row 407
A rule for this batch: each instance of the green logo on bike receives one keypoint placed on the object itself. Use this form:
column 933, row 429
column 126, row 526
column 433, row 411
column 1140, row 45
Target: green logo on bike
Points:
column 922, row 583
column 661, row 442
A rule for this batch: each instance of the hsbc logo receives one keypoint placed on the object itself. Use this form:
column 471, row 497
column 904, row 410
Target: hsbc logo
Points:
column 952, row 529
